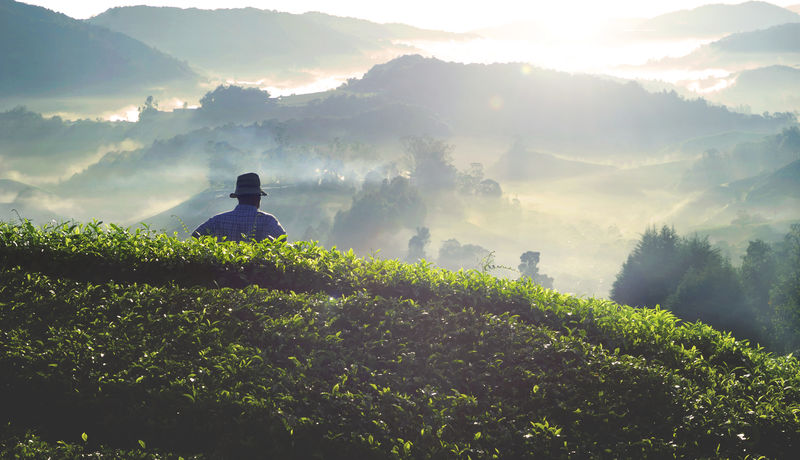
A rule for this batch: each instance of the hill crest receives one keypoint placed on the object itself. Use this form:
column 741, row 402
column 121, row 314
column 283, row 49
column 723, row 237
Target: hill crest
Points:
column 45, row 52
column 340, row 354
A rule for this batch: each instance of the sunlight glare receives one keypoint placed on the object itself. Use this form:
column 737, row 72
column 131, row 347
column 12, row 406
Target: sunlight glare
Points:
column 129, row 113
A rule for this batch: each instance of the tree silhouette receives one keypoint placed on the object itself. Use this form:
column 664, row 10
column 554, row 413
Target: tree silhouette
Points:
column 417, row 244
column 377, row 212
column 688, row 277
column 758, row 273
column 785, row 293
column 529, row 267
column 453, row 255
column 432, row 164
column 235, row 102
column 652, row 271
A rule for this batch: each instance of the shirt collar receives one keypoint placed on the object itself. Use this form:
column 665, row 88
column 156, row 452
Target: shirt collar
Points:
column 245, row 208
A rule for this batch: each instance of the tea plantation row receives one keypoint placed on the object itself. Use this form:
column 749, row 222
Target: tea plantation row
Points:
column 140, row 345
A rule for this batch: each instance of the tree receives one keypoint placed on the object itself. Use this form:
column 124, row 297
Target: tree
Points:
column 529, row 267
column 235, row 103
column 453, row 255
column 689, row 277
column 758, row 273
column 149, row 109
column 417, row 244
column 652, row 271
column 712, row 293
column 468, row 180
column 489, row 188
column 432, row 165
column 378, row 212
column 785, row 292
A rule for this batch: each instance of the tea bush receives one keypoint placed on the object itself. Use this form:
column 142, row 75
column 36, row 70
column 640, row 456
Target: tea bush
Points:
column 152, row 347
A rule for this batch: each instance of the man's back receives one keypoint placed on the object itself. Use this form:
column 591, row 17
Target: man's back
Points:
column 244, row 223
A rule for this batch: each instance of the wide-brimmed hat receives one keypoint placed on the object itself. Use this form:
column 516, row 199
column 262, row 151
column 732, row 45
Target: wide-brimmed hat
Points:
column 248, row 184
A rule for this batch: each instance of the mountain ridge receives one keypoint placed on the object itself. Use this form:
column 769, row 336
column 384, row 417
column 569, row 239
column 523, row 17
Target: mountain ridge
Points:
column 49, row 53
column 718, row 19
column 519, row 100
column 253, row 43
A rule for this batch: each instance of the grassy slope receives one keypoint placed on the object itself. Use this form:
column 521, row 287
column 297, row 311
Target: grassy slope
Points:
column 215, row 349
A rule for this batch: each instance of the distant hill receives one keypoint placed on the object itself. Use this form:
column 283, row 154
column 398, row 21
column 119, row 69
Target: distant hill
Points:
column 20, row 200
column 252, row 43
column 520, row 163
column 33, row 145
column 784, row 38
column 781, row 186
column 778, row 45
column 770, row 197
column 717, row 19
column 743, row 161
column 774, row 89
column 378, row 32
column 48, row 53
column 550, row 109
column 9, row 189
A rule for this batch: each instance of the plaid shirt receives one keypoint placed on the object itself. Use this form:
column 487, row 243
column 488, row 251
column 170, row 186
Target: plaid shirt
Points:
column 244, row 223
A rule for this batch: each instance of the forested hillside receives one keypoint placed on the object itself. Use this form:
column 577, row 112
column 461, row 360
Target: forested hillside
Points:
column 578, row 113
column 250, row 42
column 134, row 344
column 718, row 19
column 47, row 53
column 686, row 275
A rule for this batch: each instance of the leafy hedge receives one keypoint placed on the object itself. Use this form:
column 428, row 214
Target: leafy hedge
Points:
column 153, row 346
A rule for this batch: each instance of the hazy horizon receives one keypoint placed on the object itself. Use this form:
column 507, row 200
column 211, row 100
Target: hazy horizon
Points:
column 438, row 15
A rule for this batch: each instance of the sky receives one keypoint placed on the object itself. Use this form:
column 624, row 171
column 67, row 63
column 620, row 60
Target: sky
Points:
column 451, row 15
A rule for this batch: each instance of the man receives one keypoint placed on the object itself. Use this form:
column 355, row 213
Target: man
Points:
column 245, row 222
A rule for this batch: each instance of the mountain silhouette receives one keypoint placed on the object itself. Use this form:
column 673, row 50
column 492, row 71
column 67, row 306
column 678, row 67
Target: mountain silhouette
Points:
column 777, row 45
column 552, row 110
column 250, row 42
column 784, row 38
column 774, row 194
column 48, row 53
column 717, row 19
column 774, row 88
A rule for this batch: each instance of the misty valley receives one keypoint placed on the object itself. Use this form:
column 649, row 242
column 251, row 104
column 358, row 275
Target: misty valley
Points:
column 669, row 180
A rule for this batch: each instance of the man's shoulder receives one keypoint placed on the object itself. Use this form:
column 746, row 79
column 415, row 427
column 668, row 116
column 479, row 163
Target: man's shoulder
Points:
column 271, row 223
column 218, row 216
column 226, row 213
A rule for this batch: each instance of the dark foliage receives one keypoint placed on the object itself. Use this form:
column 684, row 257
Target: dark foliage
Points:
column 785, row 292
column 49, row 53
column 529, row 267
column 414, row 363
column 231, row 103
column 417, row 244
column 553, row 109
column 687, row 276
column 454, row 255
column 759, row 301
column 377, row 212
